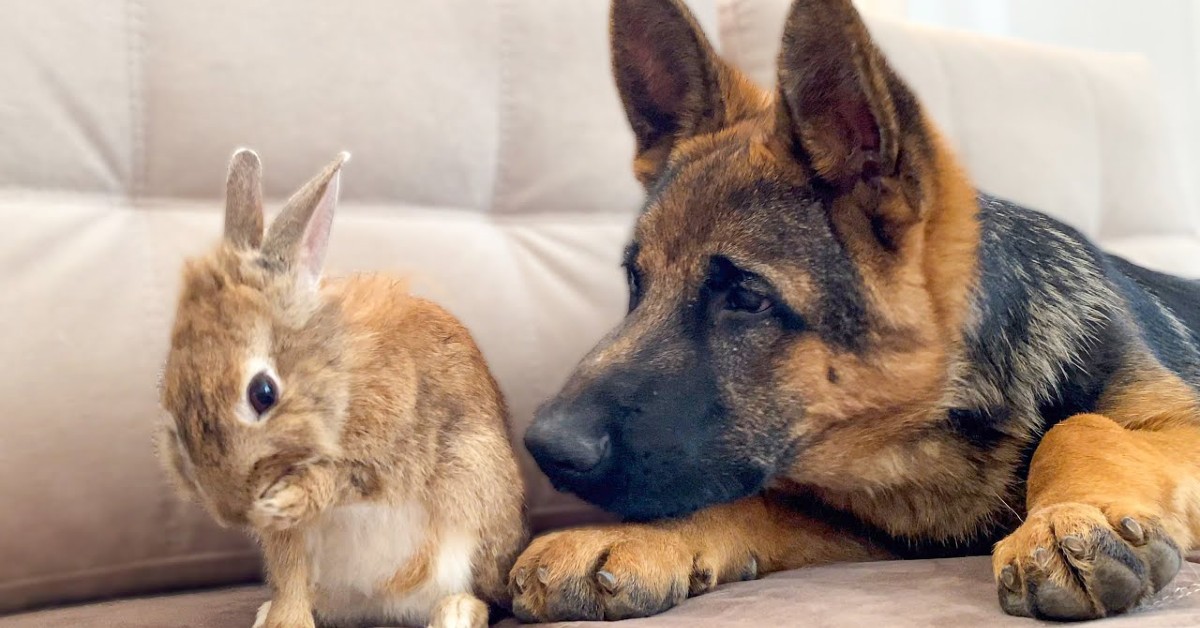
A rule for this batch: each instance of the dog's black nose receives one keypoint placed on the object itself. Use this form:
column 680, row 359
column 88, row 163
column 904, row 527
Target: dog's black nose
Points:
column 568, row 444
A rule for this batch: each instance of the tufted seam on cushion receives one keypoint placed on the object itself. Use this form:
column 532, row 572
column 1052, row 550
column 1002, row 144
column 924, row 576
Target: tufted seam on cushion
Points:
column 159, row 312
column 962, row 145
column 729, row 30
column 1091, row 100
column 171, row 508
column 534, row 348
column 504, row 103
column 950, row 125
column 135, row 25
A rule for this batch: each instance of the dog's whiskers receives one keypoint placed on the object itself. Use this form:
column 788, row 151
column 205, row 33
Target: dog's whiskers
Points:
column 1008, row 506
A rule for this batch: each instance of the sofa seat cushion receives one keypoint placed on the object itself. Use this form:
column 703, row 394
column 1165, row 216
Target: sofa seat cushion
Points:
column 944, row 592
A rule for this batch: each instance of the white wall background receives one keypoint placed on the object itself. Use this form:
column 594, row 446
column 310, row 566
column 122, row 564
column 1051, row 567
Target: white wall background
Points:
column 1167, row 32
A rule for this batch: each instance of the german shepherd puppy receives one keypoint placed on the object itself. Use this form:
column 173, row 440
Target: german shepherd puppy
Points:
column 837, row 349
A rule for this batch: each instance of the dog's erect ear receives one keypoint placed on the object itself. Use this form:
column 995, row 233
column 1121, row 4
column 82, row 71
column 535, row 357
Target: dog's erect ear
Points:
column 835, row 94
column 244, row 200
column 671, row 81
column 300, row 235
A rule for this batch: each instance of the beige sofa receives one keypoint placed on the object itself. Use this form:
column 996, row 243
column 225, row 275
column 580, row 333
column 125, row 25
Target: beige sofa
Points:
column 492, row 164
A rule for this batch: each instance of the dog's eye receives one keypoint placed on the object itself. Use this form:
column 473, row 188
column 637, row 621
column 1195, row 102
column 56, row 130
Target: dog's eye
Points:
column 740, row 299
column 262, row 393
column 635, row 286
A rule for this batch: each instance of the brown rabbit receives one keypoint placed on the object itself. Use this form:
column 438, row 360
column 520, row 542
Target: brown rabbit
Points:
column 354, row 428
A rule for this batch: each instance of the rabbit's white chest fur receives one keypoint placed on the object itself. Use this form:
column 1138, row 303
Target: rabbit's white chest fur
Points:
column 357, row 549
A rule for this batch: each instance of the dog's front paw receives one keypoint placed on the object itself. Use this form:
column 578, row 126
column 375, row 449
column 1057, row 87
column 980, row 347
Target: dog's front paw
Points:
column 283, row 505
column 1075, row 561
column 601, row 573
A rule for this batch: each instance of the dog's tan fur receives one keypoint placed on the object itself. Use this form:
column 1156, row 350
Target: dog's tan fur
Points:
column 385, row 400
column 873, row 447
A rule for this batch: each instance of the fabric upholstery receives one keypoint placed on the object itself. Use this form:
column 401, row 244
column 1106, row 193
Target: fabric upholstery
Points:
column 491, row 163
column 928, row 593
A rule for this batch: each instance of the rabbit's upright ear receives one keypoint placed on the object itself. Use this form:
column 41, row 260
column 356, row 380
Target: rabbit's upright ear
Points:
column 244, row 200
column 299, row 236
column 175, row 460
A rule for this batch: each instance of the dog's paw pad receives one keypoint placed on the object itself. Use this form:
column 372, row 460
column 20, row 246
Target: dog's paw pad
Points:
column 1073, row 561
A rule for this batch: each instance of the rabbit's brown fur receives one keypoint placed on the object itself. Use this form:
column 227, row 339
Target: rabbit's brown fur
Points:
column 388, row 426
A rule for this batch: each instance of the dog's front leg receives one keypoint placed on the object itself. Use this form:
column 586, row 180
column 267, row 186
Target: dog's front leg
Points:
column 637, row 570
column 1109, row 509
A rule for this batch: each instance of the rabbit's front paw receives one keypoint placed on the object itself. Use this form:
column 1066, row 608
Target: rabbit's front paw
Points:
column 461, row 610
column 282, row 618
column 260, row 618
column 281, row 506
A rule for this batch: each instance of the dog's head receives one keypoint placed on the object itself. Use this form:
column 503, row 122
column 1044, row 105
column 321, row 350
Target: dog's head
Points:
column 793, row 286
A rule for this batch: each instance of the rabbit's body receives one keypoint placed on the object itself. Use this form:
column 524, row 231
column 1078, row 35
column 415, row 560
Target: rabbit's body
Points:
column 355, row 428
column 400, row 544
column 380, row 563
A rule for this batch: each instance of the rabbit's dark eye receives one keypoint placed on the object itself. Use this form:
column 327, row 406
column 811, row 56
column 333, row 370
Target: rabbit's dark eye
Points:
column 262, row 393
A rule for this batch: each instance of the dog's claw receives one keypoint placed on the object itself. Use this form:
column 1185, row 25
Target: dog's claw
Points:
column 1132, row 531
column 751, row 572
column 1008, row 577
column 1074, row 545
column 521, row 578
column 607, row 581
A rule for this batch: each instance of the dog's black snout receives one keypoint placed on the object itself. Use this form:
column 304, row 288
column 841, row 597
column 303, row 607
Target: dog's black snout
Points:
column 569, row 442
